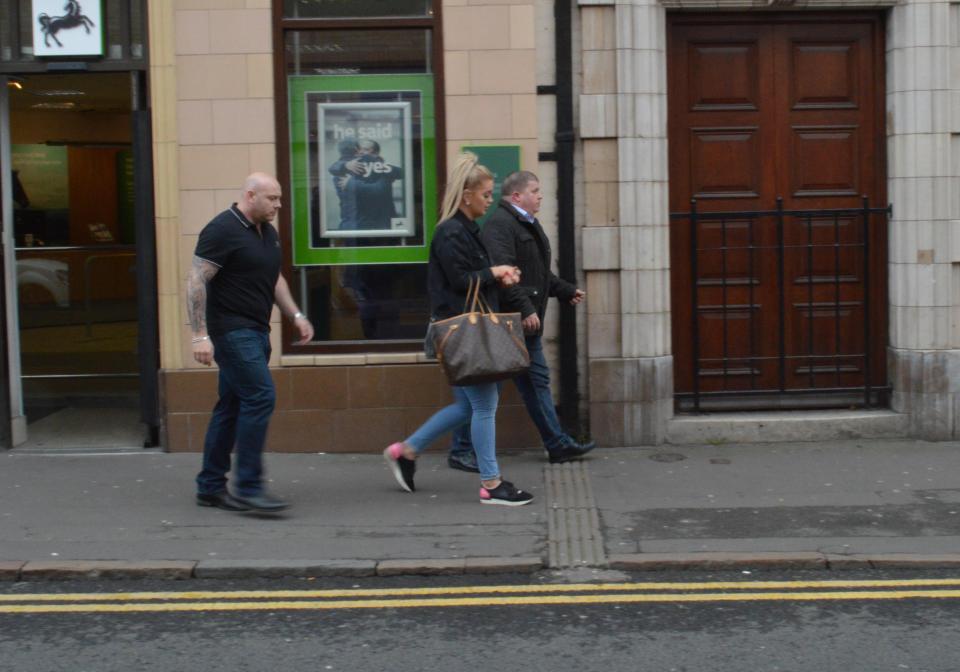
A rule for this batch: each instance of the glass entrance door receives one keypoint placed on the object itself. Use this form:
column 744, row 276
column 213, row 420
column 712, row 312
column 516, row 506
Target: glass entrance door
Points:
column 74, row 230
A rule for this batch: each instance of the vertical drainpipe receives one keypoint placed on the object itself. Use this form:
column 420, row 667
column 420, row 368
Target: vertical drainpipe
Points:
column 566, row 234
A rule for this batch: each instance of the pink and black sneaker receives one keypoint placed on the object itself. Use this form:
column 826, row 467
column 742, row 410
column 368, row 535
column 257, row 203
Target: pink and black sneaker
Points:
column 402, row 468
column 505, row 494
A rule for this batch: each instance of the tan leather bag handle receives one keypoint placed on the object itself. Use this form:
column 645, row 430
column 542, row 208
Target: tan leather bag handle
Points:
column 475, row 300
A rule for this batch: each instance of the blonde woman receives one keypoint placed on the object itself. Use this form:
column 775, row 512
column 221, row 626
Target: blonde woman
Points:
column 457, row 258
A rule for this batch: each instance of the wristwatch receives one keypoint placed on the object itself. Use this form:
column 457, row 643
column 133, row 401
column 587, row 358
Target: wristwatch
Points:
column 297, row 315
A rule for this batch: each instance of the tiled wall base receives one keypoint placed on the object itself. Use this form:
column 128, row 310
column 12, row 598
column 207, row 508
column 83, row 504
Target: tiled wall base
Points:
column 343, row 409
column 926, row 386
column 631, row 400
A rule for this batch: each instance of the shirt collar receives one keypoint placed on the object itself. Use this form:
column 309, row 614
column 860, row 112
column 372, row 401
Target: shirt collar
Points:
column 239, row 215
column 524, row 215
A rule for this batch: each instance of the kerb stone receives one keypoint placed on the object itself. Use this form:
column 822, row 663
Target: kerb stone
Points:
column 502, row 565
column 421, row 567
column 10, row 570
column 63, row 570
column 239, row 569
column 773, row 560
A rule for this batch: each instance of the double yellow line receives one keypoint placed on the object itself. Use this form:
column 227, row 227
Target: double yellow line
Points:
column 480, row 596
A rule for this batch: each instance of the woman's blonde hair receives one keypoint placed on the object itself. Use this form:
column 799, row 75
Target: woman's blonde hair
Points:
column 467, row 174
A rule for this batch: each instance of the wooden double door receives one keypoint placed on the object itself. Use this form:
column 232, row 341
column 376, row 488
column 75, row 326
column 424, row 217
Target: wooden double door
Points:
column 765, row 112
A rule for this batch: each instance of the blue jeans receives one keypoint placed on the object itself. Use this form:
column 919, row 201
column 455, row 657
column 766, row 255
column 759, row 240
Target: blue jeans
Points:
column 534, row 388
column 474, row 406
column 242, row 414
column 460, row 444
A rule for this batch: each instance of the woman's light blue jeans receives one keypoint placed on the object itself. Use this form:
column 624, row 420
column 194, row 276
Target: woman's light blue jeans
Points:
column 474, row 404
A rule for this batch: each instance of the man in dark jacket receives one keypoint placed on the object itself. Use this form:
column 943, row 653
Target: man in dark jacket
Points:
column 513, row 236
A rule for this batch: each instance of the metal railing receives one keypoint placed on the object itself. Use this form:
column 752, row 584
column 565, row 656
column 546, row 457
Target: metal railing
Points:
column 747, row 372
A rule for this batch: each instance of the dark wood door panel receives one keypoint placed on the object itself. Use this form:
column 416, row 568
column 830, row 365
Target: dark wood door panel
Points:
column 761, row 107
column 825, row 161
column 828, row 109
column 719, row 127
column 723, row 76
column 824, row 75
column 725, row 162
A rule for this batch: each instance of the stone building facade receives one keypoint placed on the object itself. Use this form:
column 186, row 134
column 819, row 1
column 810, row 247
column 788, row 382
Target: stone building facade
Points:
column 213, row 83
column 624, row 123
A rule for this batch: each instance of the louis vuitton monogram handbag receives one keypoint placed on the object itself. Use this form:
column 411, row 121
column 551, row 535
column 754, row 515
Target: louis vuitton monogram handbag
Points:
column 479, row 346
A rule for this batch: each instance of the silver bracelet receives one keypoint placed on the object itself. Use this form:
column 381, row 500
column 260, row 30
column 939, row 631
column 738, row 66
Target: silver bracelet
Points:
column 200, row 338
column 297, row 315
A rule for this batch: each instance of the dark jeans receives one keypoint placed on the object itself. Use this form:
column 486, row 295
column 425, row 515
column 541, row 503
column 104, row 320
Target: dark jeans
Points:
column 534, row 388
column 242, row 413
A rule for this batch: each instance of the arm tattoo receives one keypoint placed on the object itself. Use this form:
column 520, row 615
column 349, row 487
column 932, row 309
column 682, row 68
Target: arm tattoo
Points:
column 201, row 273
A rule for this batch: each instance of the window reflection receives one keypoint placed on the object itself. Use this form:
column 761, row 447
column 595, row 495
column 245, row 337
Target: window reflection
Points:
column 357, row 52
column 75, row 256
column 355, row 9
column 367, row 302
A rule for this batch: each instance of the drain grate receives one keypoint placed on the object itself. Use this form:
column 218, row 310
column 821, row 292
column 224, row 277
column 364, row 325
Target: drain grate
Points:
column 573, row 521
column 667, row 457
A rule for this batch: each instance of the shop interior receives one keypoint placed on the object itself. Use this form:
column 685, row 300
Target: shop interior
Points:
column 73, row 170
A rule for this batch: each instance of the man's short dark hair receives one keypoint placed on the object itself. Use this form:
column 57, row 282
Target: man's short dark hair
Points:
column 516, row 181
column 347, row 148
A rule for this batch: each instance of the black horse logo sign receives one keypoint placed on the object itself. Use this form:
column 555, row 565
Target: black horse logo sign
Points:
column 73, row 18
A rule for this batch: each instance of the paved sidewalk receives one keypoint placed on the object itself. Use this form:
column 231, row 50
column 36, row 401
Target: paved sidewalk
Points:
column 825, row 505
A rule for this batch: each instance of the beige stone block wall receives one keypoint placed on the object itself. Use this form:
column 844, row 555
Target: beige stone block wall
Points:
column 490, row 76
column 622, row 124
column 600, row 175
column 600, row 256
column 598, row 100
column 212, row 92
column 163, row 82
column 923, row 146
column 921, row 187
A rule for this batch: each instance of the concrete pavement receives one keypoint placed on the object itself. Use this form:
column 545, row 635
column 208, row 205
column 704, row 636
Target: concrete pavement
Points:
column 828, row 504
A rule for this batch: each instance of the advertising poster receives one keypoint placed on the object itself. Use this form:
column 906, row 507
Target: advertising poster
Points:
column 43, row 176
column 363, row 168
column 365, row 153
column 67, row 27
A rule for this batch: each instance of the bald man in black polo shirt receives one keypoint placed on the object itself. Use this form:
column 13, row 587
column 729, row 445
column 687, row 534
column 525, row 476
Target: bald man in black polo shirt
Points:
column 231, row 289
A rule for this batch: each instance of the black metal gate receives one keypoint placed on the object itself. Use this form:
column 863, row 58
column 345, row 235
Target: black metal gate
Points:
column 761, row 356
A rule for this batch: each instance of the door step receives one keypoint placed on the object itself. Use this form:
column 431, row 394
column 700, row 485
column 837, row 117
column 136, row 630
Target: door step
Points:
column 785, row 426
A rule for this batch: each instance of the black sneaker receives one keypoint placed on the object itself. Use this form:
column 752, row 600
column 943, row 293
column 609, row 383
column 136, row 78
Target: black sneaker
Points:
column 463, row 462
column 402, row 468
column 571, row 452
column 505, row 494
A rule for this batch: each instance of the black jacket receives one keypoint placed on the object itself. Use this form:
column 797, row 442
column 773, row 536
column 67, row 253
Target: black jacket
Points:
column 513, row 241
column 457, row 255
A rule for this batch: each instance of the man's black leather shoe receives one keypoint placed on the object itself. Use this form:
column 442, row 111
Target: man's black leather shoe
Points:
column 466, row 463
column 263, row 503
column 572, row 452
column 221, row 500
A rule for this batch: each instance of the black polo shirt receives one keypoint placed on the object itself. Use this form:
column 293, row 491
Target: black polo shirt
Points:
column 241, row 294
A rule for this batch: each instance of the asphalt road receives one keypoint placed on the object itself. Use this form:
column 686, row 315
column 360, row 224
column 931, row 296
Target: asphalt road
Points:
column 657, row 622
